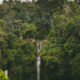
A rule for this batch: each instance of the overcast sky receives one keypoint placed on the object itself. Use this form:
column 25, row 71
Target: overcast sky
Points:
column 2, row 0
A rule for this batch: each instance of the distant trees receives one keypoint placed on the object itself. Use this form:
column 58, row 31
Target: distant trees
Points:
column 28, row 30
column 4, row 0
column 57, row 23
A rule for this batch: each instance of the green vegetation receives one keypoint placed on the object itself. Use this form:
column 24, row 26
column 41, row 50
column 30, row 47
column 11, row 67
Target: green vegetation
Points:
column 57, row 23
column 2, row 76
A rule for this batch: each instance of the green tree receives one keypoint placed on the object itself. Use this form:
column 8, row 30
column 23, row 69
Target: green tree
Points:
column 2, row 76
column 28, row 30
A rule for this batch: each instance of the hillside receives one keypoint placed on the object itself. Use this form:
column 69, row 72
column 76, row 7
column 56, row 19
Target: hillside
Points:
column 46, row 30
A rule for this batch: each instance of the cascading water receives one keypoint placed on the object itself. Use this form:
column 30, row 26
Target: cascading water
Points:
column 6, row 72
column 38, row 60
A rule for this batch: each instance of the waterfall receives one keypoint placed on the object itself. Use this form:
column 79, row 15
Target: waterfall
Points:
column 6, row 72
column 38, row 60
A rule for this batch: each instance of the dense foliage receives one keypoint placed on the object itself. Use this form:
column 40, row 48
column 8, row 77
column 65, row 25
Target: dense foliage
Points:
column 2, row 76
column 57, row 24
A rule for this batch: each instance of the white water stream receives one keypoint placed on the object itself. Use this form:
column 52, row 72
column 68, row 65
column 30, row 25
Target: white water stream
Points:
column 38, row 60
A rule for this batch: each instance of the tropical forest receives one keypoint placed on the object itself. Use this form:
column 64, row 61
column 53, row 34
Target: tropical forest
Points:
column 40, row 40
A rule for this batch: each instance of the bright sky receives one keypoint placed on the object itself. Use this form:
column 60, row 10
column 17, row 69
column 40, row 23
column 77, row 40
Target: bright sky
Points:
column 2, row 0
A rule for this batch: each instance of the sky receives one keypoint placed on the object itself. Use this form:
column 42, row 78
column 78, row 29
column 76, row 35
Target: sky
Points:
column 2, row 0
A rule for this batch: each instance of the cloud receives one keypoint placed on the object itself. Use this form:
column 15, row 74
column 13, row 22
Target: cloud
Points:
column 0, row 1
column 7, row 0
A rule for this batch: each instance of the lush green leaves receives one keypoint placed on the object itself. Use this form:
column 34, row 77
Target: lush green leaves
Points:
column 2, row 76
column 54, row 22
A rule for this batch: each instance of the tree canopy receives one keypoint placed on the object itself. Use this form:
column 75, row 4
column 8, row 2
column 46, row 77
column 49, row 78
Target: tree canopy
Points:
column 55, row 23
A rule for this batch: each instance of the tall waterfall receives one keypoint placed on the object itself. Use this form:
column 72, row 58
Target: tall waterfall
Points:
column 6, row 72
column 38, row 60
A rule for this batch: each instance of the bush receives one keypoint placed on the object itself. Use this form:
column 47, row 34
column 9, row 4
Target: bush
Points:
column 2, row 76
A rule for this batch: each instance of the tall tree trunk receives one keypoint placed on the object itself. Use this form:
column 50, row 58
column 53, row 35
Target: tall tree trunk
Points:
column 20, row 74
column 79, row 33
column 19, row 0
column 33, row 1
column 0, row 54
column 51, row 20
